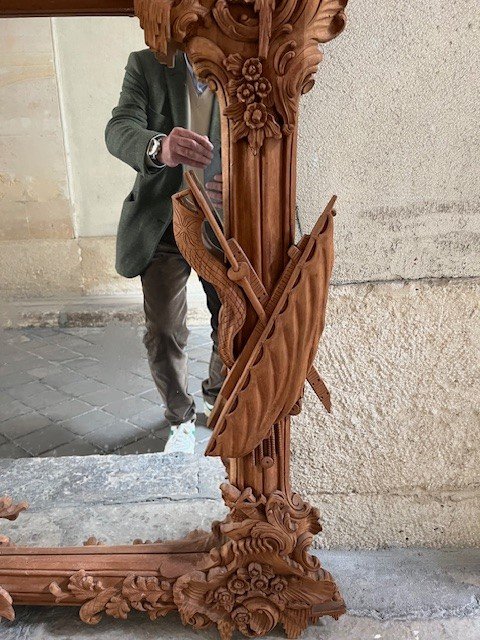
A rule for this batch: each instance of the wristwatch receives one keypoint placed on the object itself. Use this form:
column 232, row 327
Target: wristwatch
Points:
column 154, row 148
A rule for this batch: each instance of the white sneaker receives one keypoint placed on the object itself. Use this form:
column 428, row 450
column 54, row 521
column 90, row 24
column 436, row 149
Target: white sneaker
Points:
column 207, row 408
column 181, row 439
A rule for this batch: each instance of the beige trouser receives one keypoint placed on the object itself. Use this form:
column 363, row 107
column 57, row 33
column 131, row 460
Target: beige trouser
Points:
column 165, row 302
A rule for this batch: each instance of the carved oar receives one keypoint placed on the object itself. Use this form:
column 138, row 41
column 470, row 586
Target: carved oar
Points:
column 243, row 273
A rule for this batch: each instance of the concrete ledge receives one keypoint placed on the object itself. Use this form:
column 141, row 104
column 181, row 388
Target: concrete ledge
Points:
column 89, row 311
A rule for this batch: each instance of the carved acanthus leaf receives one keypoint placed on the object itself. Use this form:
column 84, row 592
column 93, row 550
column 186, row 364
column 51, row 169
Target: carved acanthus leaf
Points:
column 9, row 510
column 6, row 608
column 261, row 576
column 150, row 595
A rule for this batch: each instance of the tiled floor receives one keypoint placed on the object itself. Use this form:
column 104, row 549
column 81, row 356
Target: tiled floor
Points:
column 86, row 391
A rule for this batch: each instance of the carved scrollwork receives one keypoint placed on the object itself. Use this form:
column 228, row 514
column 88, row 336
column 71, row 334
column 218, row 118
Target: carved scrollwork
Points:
column 262, row 576
column 262, row 89
column 150, row 595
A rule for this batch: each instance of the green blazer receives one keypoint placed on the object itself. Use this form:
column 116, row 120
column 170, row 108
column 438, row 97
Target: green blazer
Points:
column 153, row 100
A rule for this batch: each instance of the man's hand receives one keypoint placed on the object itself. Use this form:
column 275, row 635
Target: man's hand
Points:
column 186, row 147
column 215, row 189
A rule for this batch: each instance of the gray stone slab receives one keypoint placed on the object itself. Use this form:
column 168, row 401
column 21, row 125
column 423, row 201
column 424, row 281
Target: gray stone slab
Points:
column 407, row 583
column 109, row 479
column 64, row 624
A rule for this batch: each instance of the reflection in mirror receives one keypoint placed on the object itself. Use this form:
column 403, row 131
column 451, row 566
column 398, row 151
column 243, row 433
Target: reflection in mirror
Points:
column 75, row 378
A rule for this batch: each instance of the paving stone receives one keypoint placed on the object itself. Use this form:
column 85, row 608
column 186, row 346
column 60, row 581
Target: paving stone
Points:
column 45, row 439
column 152, row 419
column 194, row 384
column 129, row 407
column 150, row 444
column 114, row 436
column 81, row 388
column 58, row 354
column 112, row 381
column 14, row 379
column 62, row 378
column 105, row 396
column 46, row 399
column 88, row 422
column 153, row 396
column 22, row 391
column 10, row 450
column 12, row 409
column 200, row 354
column 19, row 426
column 44, row 370
column 78, row 447
column 81, row 364
column 64, row 410
column 198, row 369
column 11, row 368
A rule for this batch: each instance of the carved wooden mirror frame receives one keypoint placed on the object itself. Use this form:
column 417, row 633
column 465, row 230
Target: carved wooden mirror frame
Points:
column 254, row 570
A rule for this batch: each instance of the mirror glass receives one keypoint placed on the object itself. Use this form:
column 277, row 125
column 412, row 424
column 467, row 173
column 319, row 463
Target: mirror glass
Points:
column 81, row 371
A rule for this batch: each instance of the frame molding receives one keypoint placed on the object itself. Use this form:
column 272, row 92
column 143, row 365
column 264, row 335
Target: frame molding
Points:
column 254, row 570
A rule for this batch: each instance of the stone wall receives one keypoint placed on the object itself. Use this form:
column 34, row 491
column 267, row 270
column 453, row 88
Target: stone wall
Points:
column 392, row 128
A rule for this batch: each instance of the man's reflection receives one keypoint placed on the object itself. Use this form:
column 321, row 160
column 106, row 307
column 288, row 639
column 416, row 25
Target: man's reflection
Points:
column 166, row 119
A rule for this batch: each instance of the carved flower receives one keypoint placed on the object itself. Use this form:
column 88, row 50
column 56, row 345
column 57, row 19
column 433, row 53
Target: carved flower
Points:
column 260, row 583
column 225, row 598
column 241, row 616
column 262, row 87
column 255, row 570
column 252, row 69
column 278, row 584
column 256, row 115
column 237, row 584
column 246, row 92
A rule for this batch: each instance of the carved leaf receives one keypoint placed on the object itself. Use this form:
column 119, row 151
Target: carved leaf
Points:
column 6, row 608
column 89, row 612
column 117, row 607
column 9, row 510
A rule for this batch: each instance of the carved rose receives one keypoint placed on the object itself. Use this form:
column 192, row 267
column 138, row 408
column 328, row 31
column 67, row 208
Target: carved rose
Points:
column 278, row 584
column 252, row 69
column 255, row 570
column 260, row 583
column 256, row 115
column 241, row 616
column 237, row 584
column 225, row 598
column 246, row 92
column 262, row 87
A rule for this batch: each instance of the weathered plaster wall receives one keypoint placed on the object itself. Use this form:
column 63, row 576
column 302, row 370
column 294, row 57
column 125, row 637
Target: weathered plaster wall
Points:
column 397, row 461
column 392, row 128
column 60, row 191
